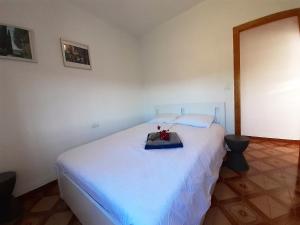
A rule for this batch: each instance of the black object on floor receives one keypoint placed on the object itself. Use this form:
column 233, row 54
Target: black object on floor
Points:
column 10, row 208
column 235, row 158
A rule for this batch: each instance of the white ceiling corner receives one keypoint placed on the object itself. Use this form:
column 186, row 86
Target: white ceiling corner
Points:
column 136, row 16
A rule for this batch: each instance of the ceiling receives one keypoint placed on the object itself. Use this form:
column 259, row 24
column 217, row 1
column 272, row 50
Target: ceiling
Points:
column 136, row 16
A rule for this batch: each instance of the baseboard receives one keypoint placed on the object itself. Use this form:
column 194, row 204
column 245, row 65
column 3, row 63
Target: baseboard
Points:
column 40, row 188
column 276, row 139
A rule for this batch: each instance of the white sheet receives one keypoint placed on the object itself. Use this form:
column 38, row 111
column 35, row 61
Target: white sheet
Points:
column 149, row 187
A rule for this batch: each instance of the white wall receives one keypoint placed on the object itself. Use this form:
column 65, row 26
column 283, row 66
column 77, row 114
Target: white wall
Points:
column 46, row 108
column 190, row 58
column 270, row 80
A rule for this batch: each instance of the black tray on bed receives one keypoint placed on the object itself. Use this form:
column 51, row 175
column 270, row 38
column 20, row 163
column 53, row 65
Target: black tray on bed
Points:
column 154, row 142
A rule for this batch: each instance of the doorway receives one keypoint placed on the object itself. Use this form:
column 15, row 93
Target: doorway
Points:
column 262, row 94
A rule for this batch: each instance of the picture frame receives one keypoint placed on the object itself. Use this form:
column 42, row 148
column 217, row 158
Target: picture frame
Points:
column 75, row 55
column 17, row 43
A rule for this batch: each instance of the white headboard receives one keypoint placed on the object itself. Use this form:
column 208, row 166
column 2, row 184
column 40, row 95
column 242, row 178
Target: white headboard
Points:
column 216, row 109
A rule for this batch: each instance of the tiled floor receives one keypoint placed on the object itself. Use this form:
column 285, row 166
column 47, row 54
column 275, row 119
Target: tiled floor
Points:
column 44, row 207
column 267, row 194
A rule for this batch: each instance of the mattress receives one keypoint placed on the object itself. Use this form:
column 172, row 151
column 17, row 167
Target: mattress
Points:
column 143, row 187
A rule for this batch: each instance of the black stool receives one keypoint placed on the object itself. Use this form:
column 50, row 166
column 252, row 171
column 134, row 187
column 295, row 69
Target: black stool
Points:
column 9, row 206
column 237, row 145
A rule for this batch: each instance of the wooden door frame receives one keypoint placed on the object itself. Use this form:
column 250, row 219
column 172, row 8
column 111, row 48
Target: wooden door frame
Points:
column 236, row 55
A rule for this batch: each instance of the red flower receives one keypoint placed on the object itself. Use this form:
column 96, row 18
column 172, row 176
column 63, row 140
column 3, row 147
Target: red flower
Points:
column 164, row 135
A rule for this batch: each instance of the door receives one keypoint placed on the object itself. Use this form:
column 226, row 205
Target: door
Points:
column 270, row 80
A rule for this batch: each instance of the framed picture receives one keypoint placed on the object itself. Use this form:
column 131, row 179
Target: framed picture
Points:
column 75, row 55
column 16, row 43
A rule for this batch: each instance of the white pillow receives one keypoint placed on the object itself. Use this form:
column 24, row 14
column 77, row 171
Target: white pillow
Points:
column 195, row 120
column 164, row 118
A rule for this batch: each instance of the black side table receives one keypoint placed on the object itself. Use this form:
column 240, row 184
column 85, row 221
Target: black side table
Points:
column 237, row 145
column 9, row 206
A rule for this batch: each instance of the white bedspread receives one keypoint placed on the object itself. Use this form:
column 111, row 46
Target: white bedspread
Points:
column 149, row 187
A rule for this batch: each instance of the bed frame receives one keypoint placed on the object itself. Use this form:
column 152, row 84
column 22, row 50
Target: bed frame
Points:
column 88, row 211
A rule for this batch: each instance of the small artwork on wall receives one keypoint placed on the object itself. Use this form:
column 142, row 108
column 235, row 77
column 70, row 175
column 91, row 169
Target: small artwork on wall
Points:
column 16, row 43
column 76, row 55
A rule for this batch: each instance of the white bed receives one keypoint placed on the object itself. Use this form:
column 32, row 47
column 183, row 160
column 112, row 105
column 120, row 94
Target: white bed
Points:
column 115, row 181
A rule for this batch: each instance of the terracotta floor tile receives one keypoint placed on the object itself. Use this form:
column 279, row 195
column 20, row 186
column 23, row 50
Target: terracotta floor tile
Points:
column 285, row 149
column 251, row 171
column 284, row 177
column 46, row 203
column 269, row 144
column 264, row 182
column 249, row 157
column 256, row 140
column 276, row 162
column 28, row 203
column 288, row 221
column 257, row 154
column 279, row 143
column 61, row 218
column 61, row 206
column 295, row 188
column 223, row 192
column 290, row 158
column 273, row 152
column 287, row 196
column 295, row 170
column 261, row 166
column 227, row 173
column 243, row 214
column 31, row 221
column 215, row 216
column 296, row 149
column 296, row 154
column 244, row 187
column 256, row 146
column 293, row 145
column 269, row 206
